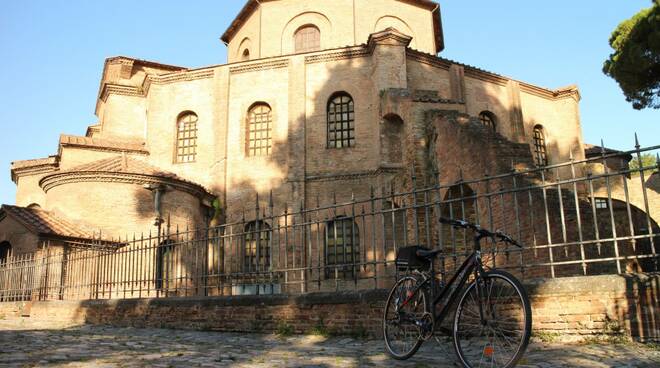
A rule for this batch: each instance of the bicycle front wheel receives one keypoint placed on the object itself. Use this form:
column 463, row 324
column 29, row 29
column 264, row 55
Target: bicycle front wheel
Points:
column 493, row 322
column 405, row 307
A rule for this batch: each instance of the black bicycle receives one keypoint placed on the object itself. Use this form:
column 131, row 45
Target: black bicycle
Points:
column 492, row 320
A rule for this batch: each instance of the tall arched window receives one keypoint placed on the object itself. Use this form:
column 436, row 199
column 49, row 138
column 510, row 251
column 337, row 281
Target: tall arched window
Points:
column 165, row 267
column 342, row 247
column 186, row 137
column 540, row 149
column 488, row 119
column 256, row 257
column 341, row 121
column 5, row 251
column 307, row 38
column 259, row 129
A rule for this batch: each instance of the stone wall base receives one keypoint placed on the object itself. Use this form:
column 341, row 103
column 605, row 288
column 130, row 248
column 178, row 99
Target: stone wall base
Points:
column 564, row 309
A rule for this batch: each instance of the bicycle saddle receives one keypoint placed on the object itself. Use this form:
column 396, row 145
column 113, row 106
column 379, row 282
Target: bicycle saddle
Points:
column 428, row 253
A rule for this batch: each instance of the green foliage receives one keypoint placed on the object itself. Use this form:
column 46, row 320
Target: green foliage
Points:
column 320, row 329
column 635, row 63
column 284, row 329
column 648, row 160
column 547, row 337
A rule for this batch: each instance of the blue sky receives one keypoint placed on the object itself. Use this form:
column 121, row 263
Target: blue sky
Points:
column 53, row 52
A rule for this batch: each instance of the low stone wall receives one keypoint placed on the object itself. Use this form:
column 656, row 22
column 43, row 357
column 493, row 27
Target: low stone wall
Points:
column 563, row 309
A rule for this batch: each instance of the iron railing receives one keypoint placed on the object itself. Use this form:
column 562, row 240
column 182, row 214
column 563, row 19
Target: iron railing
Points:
column 582, row 217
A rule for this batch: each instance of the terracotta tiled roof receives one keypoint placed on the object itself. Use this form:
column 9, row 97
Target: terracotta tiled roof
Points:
column 124, row 164
column 72, row 140
column 44, row 222
column 591, row 150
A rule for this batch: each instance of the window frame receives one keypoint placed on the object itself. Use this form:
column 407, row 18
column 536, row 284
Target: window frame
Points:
column 305, row 46
column 487, row 116
column 259, row 244
column 181, row 141
column 347, row 269
column 540, row 146
column 347, row 125
column 257, row 150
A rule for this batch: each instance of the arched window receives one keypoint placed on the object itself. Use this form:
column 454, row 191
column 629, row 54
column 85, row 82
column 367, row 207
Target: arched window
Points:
column 165, row 266
column 5, row 251
column 459, row 204
column 259, row 129
column 307, row 38
column 342, row 247
column 540, row 149
column 186, row 137
column 488, row 119
column 245, row 56
column 256, row 257
column 341, row 121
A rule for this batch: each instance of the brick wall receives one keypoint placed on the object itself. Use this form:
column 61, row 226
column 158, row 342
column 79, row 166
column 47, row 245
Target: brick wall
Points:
column 570, row 308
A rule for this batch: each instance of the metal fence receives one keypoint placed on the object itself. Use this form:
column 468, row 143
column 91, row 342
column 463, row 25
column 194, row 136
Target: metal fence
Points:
column 582, row 217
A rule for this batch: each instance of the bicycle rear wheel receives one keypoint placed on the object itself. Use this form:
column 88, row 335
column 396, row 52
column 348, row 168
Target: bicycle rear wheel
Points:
column 404, row 310
column 500, row 338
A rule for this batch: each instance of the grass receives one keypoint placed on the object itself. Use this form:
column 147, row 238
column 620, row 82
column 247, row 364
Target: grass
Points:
column 284, row 329
column 547, row 337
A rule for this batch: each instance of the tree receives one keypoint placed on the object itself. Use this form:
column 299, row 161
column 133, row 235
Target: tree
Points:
column 635, row 63
column 648, row 160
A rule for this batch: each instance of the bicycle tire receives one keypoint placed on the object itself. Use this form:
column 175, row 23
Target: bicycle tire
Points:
column 504, row 337
column 419, row 305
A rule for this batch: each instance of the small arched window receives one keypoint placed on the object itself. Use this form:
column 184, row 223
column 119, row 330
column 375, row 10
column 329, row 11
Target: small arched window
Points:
column 259, row 129
column 540, row 149
column 186, row 137
column 256, row 257
column 5, row 252
column 245, row 56
column 488, row 119
column 341, row 121
column 165, row 267
column 342, row 247
column 307, row 38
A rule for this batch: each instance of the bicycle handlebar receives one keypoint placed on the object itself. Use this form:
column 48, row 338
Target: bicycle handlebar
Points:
column 497, row 235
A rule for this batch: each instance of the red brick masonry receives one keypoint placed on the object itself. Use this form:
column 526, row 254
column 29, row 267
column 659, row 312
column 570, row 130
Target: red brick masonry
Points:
column 568, row 308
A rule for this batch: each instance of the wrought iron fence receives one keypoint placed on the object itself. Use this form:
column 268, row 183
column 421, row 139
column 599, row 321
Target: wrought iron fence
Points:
column 581, row 217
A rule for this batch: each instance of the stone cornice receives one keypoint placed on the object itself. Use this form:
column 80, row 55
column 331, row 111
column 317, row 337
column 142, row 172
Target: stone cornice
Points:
column 356, row 52
column 32, row 167
column 70, row 177
column 266, row 65
column 181, row 76
column 116, row 89
column 390, row 36
column 352, row 175
column 104, row 145
column 428, row 59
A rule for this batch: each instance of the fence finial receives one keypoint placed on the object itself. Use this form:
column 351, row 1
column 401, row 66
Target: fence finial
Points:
column 372, row 192
column 570, row 154
column 334, row 197
column 602, row 147
column 257, row 202
column 460, row 174
column 636, row 142
column 271, row 203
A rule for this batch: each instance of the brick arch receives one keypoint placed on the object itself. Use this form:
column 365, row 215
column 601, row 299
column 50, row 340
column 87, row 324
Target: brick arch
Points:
column 315, row 19
column 399, row 24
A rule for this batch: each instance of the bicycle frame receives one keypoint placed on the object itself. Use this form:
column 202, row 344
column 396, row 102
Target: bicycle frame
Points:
column 472, row 265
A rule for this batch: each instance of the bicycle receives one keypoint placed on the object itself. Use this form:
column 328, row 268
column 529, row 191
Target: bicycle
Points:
column 492, row 320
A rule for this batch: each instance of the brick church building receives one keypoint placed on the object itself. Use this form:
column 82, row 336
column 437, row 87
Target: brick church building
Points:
column 318, row 103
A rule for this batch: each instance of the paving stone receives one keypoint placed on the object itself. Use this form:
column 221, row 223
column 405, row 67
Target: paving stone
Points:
column 26, row 343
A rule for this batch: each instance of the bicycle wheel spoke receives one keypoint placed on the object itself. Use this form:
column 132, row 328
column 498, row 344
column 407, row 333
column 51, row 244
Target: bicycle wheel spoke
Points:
column 501, row 337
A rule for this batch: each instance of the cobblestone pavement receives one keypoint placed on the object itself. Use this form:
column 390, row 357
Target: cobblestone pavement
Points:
column 24, row 343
